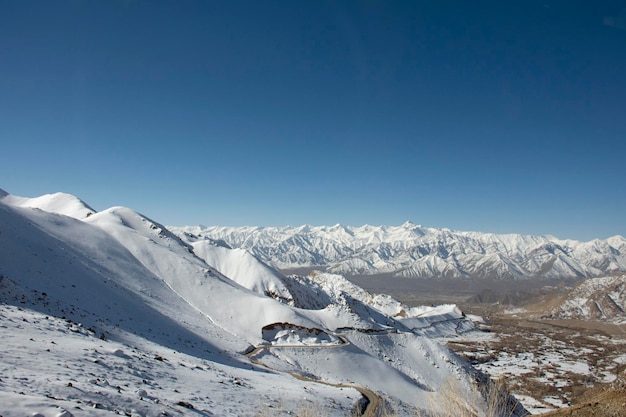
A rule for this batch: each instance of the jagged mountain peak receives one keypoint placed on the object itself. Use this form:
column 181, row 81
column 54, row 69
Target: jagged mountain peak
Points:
column 617, row 241
column 415, row 251
column 409, row 224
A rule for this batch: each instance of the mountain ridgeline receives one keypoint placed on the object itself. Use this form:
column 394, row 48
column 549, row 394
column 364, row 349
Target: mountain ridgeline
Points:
column 201, row 319
column 414, row 251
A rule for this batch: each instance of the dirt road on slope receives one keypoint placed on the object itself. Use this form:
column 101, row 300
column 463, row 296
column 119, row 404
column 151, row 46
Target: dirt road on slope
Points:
column 373, row 400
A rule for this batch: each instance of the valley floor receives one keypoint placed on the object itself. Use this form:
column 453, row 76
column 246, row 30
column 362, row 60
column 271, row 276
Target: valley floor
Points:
column 548, row 364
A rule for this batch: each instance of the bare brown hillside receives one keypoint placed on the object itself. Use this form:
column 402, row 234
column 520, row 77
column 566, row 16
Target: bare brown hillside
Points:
column 597, row 403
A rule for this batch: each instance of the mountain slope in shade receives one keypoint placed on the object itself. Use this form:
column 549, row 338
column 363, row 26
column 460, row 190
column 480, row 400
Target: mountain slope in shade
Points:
column 415, row 251
column 116, row 315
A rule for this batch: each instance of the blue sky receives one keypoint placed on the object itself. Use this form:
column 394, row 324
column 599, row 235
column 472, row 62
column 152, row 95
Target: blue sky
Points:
column 483, row 115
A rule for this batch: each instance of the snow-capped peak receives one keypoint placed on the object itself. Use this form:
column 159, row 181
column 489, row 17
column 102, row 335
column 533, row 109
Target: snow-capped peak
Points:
column 414, row 251
column 59, row 203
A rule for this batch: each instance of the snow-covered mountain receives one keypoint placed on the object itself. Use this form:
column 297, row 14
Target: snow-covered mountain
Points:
column 602, row 298
column 108, row 313
column 415, row 251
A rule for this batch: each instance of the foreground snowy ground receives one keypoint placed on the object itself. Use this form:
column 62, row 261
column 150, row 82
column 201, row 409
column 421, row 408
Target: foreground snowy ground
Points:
column 110, row 313
column 56, row 368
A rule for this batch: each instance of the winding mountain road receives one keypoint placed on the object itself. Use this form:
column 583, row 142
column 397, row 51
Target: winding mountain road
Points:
column 373, row 399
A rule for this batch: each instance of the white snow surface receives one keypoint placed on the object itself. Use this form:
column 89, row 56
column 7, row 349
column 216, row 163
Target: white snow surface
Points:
column 414, row 251
column 110, row 313
column 52, row 367
column 60, row 203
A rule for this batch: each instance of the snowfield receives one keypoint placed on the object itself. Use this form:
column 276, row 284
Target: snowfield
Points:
column 52, row 367
column 109, row 313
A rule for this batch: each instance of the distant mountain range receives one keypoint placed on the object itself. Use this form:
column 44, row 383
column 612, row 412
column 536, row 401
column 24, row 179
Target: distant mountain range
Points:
column 414, row 251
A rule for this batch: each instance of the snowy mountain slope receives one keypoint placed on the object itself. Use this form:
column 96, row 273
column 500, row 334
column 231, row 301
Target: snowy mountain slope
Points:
column 126, row 289
column 374, row 312
column 242, row 267
column 326, row 298
column 67, row 268
column 70, row 294
column 602, row 298
column 54, row 368
column 415, row 251
column 203, row 287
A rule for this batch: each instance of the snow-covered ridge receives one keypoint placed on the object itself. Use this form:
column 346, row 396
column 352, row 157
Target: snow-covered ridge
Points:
column 414, row 251
column 60, row 203
column 147, row 314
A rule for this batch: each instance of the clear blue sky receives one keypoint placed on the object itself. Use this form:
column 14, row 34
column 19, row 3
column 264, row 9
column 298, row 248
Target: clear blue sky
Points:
column 500, row 116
